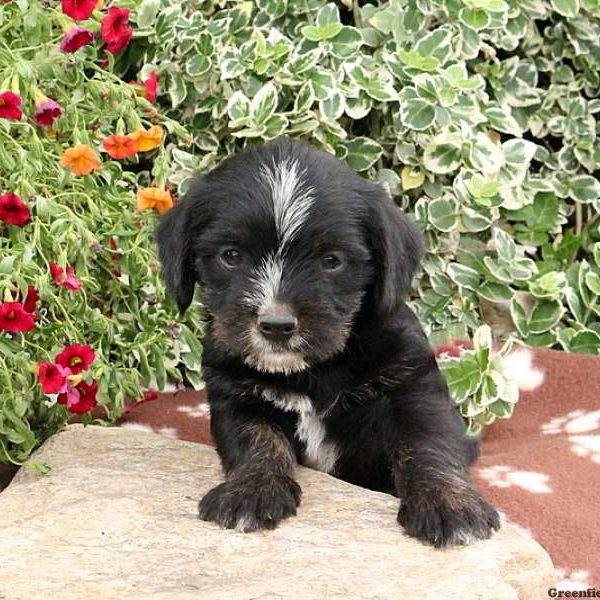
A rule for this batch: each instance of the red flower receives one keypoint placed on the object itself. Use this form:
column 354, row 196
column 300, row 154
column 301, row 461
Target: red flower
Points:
column 14, row 318
column 53, row 378
column 13, row 210
column 82, row 400
column 75, row 38
column 114, row 29
column 10, row 106
column 120, row 146
column 76, row 357
column 67, row 280
column 47, row 112
column 31, row 299
column 80, row 10
column 151, row 86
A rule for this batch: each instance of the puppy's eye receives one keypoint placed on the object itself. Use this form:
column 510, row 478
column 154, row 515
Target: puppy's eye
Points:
column 230, row 257
column 332, row 262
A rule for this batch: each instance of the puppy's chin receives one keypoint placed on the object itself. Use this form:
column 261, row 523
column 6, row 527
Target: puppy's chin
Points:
column 285, row 362
column 266, row 357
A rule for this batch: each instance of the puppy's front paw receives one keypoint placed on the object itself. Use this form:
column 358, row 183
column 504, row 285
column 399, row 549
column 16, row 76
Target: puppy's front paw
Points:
column 448, row 518
column 251, row 505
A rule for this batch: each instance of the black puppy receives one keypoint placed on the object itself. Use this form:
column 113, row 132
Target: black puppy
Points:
column 311, row 354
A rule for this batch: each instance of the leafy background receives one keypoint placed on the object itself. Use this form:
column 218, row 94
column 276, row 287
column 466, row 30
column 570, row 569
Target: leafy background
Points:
column 480, row 117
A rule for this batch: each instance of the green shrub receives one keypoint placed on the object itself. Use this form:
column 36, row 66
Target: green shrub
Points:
column 87, row 222
column 480, row 116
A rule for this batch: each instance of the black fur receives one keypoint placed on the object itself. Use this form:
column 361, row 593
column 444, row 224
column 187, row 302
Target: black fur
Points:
column 362, row 372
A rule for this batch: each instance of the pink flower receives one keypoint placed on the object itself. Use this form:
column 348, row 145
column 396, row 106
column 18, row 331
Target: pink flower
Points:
column 75, row 38
column 67, row 280
column 80, row 399
column 53, row 378
column 47, row 112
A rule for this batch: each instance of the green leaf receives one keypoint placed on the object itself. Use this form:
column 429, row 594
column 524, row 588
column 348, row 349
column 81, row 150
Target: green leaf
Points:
column 363, row 152
column 567, row 8
column 474, row 18
column 435, row 44
column 417, row 61
column 275, row 126
column 442, row 214
column 584, row 188
column 346, row 43
column 518, row 152
column 592, row 280
column 417, row 114
column 585, row 342
column 464, row 276
column 546, row 315
column 480, row 187
column 550, row 285
column 495, row 292
column 238, row 106
column 146, row 13
column 411, row 178
column 501, row 119
column 482, row 344
column 484, row 155
column 463, row 376
column 443, row 154
column 487, row 5
column 328, row 15
column 263, row 104
column 333, row 107
column 318, row 34
column 504, row 244
column 198, row 65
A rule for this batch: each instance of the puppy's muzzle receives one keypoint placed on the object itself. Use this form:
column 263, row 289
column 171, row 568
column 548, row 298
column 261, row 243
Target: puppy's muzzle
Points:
column 277, row 322
column 277, row 326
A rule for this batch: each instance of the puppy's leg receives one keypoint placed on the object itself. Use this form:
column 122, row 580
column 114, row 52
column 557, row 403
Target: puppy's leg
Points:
column 439, row 505
column 259, row 464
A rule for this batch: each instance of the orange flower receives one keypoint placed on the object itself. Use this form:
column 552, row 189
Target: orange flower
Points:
column 153, row 197
column 120, row 146
column 80, row 160
column 148, row 139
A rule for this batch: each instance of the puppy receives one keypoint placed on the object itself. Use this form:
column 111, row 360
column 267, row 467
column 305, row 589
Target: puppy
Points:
column 311, row 355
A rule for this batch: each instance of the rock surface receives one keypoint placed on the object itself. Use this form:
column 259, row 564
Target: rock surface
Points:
column 116, row 518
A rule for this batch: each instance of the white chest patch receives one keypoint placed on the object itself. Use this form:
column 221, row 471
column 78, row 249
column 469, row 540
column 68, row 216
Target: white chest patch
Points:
column 320, row 453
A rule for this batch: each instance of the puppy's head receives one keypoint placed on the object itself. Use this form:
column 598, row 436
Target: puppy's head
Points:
column 287, row 243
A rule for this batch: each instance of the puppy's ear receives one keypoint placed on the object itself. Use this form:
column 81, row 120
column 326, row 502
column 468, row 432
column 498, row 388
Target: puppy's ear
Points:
column 174, row 238
column 397, row 248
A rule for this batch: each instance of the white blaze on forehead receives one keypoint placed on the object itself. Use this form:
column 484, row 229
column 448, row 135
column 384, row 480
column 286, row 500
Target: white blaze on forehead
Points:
column 267, row 279
column 292, row 197
column 292, row 200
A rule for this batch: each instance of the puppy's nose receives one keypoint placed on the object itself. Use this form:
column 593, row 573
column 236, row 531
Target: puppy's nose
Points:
column 277, row 328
